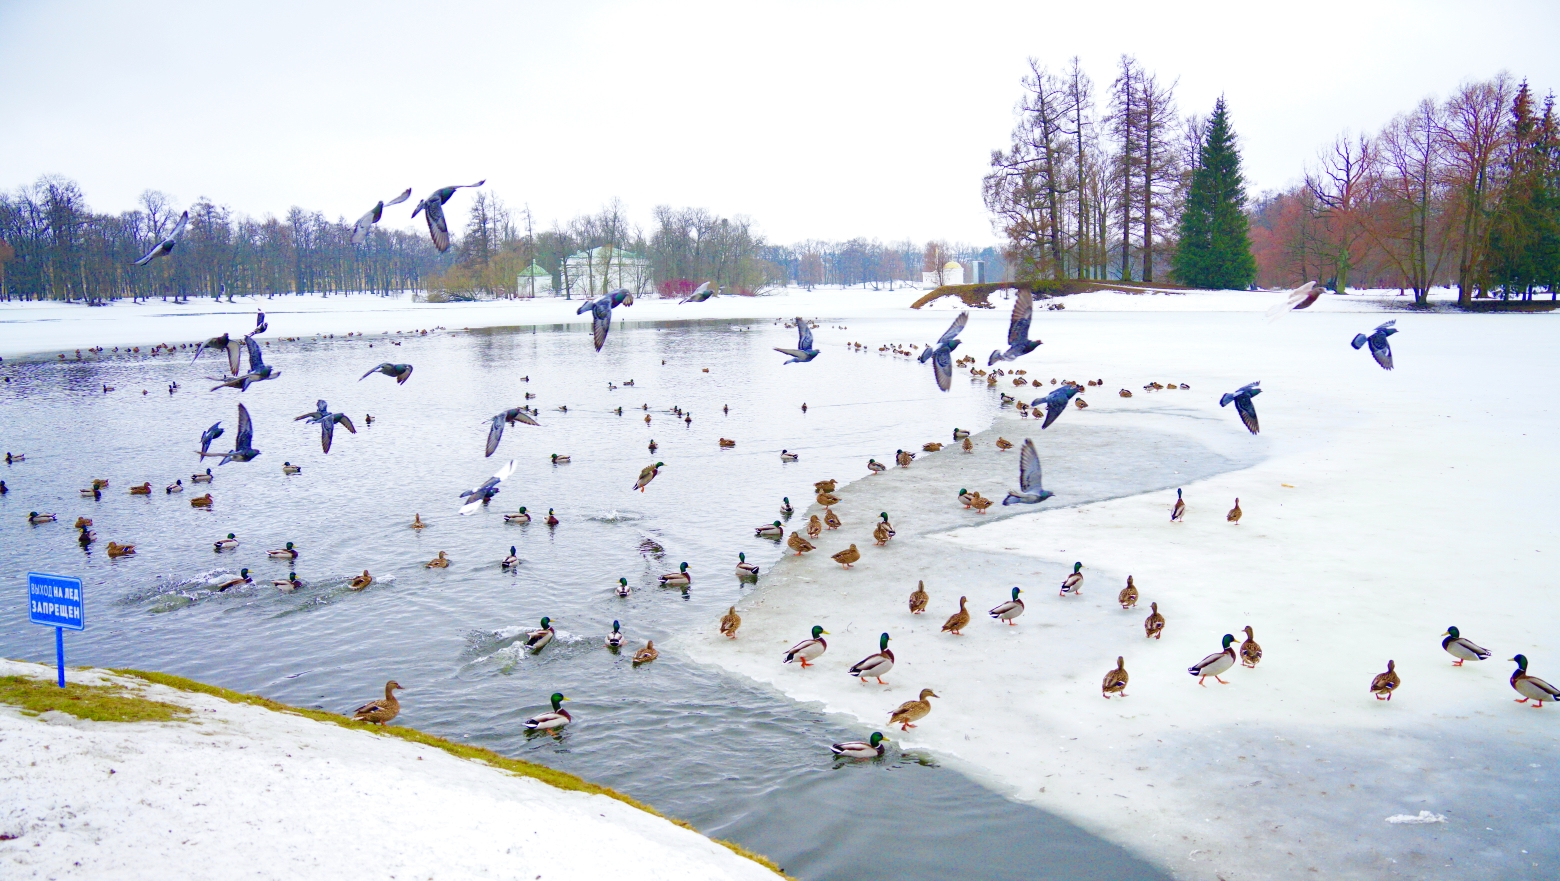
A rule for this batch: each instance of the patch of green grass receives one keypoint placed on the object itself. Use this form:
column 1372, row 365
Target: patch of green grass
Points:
column 519, row 768
column 100, row 703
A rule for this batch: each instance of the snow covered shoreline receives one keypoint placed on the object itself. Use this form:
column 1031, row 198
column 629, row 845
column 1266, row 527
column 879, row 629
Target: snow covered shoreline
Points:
column 1383, row 508
column 241, row 790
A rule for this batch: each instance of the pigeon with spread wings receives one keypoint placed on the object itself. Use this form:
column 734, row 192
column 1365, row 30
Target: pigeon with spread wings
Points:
column 365, row 224
column 601, row 313
column 165, row 247
column 940, row 353
column 243, row 444
column 433, row 208
column 1379, row 348
column 1055, row 403
column 699, row 295
column 1242, row 399
column 233, row 348
column 485, row 493
column 508, row 417
column 259, row 371
column 804, row 350
column 1019, row 343
column 1299, row 298
column 401, row 372
column 1030, row 492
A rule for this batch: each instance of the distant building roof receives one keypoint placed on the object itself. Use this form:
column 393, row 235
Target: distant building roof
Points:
column 534, row 271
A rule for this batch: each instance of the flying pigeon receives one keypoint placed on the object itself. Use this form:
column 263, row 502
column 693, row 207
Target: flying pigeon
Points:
column 320, row 411
column 1030, row 491
column 165, row 247
column 1379, row 348
column 259, row 371
column 1242, row 398
column 234, row 349
column 243, row 445
column 209, row 435
column 941, row 352
column 508, row 417
column 328, row 427
column 401, row 372
column 484, row 493
column 365, row 224
column 1019, row 343
column 433, row 207
column 601, row 313
column 1055, row 403
column 699, row 295
column 1299, row 298
column 804, row 350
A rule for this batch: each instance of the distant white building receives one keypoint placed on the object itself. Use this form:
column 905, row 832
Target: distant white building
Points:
column 952, row 273
column 603, row 269
column 534, row 281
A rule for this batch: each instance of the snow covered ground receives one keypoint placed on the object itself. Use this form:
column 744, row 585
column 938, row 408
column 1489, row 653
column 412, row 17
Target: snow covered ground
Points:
column 242, row 791
column 1380, row 507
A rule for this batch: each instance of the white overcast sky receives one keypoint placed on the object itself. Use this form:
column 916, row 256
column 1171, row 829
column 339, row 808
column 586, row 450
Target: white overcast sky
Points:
column 816, row 119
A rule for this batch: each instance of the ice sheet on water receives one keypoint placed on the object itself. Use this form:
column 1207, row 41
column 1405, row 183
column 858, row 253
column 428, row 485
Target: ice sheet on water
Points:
column 1419, row 819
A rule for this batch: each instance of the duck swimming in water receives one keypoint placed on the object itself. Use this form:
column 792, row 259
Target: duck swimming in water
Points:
column 36, row 518
column 288, row 585
column 519, row 516
column 361, row 581
column 512, row 561
column 287, row 553
column 233, row 581
column 615, row 638
column 680, row 578
column 536, row 640
column 622, row 589
column 226, row 544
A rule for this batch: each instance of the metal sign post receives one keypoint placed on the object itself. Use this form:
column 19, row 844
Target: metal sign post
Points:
column 56, row 601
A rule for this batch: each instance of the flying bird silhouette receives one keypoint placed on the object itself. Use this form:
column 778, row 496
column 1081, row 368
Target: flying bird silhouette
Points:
column 1247, row 410
column 508, row 417
column 365, row 224
column 601, row 313
column 433, row 208
column 259, row 371
column 234, row 349
column 804, row 350
column 209, row 435
column 1055, row 403
column 1019, row 343
column 401, row 372
column 1030, row 492
column 328, row 427
column 1299, row 298
column 320, row 411
column 941, row 352
column 243, row 444
column 485, row 493
column 165, row 247
column 1379, row 348
column 699, row 295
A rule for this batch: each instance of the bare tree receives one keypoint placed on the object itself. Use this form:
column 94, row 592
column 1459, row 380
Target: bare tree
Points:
column 1475, row 132
column 1339, row 183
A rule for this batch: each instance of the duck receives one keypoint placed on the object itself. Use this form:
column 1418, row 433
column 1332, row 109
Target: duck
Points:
column 417, row 522
column 1386, row 683
column 144, row 489
column 289, row 584
column 559, row 460
column 382, row 711
column 1234, row 515
column 931, row 447
column 968, row 446
column 788, row 456
column 176, row 487
column 202, row 478
column 622, row 589
column 201, row 501
column 83, row 523
column 785, row 507
column 1004, row 444
column 615, row 638
column 1129, row 595
column 848, row 557
column 552, row 520
column 1179, row 511
column 119, row 550
column 680, row 578
column 226, row 544
column 979, row 502
column 827, row 499
column 1074, row 582
column 876, row 467
column 1009, row 610
column 966, row 497
column 725, row 443
column 798, row 544
column 1250, row 652
column 519, row 516
column 729, row 623
column 551, row 721
column 881, row 534
column 1217, row 663
column 903, row 458
column 287, row 553
column 769, row 530
column 290, row 468
column 92, row 493
column 875, row 665
column 442, row 561
column 814, row 527
column 647, row 474
column 958, row 620
column 14, row 457
column 361, row 581
column 86, row 536
column 653, row 445
column 36, row 518
column 809, row 649
column 1115, row 680
column 1531, row 688
column 1080, row 403
column 234, row 580
column 536, row 640
column 1462, row 648
column 860, row 749
column 960, row 434
column 910, row 712
column 825, row 486
column 830, row 519
column 744, row 568
column 646, row 654
column 919, row 598
column 512, row 561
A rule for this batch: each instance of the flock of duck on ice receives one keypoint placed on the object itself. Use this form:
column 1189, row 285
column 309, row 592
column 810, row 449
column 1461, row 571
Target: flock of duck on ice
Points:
column 807, row 651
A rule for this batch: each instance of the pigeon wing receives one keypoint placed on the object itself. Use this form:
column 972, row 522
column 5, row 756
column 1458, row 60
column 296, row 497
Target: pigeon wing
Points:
column 600, row 323
column 1023, row 312
column 235, row 352
column 374, row 370
column 1381, row 350
column 327, row 431
column 495, row 433
column 438, row 230
column 804, row 339
column 1053, row 409
column 246, row 430
column 256, row 360
column 346, row 420
column 1248, row 413
column 365, row 223
column 953, row 329
column 178, row 230
column 942, row 366
column 1028, row 467
column 406, row 194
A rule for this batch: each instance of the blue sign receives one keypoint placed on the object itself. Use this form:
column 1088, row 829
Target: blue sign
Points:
column 55, row 601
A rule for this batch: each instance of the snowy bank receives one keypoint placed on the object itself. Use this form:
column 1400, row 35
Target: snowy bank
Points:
column 1379, row 508
column 238, row 789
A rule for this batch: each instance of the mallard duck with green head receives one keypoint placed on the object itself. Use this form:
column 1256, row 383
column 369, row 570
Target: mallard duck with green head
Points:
column 770, row 530
column 1531, row 688
column 519, row 516
column 1009, row 610
column 1215, row 664
column 1462, row 648
column 536, row 640
column 622, row 589
column 875, row 665
column 680, row 578
column 860, row 749
column 808, row 650
column 744, row 568
column 551, row 721
column 286, row 553
column 1073, row 583
column 615, row 638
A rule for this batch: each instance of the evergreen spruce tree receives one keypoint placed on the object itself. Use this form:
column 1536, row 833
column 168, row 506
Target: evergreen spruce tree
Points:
column 1214, row 250
column 1524, row 245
